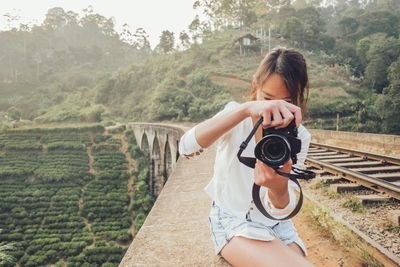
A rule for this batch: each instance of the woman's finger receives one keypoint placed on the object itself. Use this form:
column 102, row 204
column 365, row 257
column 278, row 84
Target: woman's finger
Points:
column 277, row 117
column 266, row 119
column 287, row 166
column 287, row 117
column 297, row 113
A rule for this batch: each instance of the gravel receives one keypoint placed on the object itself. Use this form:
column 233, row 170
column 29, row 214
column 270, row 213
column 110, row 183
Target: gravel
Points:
column 371, row 219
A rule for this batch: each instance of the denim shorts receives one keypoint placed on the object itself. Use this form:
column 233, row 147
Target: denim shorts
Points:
column 224, row 226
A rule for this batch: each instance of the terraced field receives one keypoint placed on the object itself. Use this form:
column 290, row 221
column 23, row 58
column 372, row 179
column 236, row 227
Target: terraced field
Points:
column 64, row 196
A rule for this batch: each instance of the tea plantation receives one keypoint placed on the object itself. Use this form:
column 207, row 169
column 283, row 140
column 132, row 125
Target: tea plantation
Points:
column 64, row 196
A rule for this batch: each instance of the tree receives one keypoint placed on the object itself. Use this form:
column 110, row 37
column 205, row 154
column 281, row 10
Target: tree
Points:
column 194, row 29
column 228, row 12
column 348, row 25
column 126, row 35
column 312, row 20
column 363, row 46
column 375, row 73
column 55, row 18
column 380, row 55
column 167, row 40
column 388, row 104
column 141, row 40
column 379, row 21
column 14, row 113
column 185, row 39
column 294, row 30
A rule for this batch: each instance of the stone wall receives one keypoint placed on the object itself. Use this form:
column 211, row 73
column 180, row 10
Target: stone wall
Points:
column 376, row 143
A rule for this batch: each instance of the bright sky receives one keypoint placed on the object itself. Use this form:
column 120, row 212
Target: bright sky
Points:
column 152, row 15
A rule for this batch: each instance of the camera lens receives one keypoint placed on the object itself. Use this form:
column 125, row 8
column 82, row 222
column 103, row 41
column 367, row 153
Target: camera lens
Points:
column 275, row 151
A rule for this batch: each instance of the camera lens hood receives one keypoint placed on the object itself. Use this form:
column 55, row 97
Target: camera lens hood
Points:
column 273, row 149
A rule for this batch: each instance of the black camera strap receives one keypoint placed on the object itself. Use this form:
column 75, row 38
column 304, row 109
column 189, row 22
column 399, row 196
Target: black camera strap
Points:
column 299, row 174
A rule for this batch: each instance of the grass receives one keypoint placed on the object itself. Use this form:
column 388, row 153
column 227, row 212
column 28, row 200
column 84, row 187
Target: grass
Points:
column 319, row 184
column 347, row 239
column 354, row 205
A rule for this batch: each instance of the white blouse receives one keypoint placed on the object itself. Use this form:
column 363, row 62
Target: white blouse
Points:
column 232, row 182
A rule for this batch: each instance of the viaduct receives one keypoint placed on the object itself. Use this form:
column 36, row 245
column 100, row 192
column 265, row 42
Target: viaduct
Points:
column 176, row 231
column 160, row 143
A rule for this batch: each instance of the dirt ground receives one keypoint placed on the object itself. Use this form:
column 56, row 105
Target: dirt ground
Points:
column 322, row 249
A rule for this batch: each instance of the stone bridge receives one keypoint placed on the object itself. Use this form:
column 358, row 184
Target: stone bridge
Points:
column 176, row 231
column 160, row 143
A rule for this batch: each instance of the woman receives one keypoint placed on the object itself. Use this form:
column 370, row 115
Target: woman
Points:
column 241, row 234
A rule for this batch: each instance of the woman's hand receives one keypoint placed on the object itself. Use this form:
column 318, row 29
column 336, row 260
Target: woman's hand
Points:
column 277, row 185
column 275, row 113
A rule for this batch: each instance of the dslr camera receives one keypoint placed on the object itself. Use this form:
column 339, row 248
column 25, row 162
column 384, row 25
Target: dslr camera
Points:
column 276, row 148
column 278, row 145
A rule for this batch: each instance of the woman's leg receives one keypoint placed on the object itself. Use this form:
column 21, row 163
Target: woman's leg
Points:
column 296, row 248
column 241, row 251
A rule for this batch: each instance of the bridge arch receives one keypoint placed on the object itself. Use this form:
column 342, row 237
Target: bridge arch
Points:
column 167, row 161
column 160, row 142
column 177, row 151
column 145, row 145
column 156, row 176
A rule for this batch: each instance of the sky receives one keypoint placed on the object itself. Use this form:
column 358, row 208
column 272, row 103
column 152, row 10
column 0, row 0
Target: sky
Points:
column 152, row 15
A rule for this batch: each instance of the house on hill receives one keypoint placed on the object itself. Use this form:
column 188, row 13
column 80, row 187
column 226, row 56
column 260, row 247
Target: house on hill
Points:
column 245, row 43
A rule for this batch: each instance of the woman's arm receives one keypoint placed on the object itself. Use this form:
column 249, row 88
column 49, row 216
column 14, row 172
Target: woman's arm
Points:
column 280, row 193
column 276, row 113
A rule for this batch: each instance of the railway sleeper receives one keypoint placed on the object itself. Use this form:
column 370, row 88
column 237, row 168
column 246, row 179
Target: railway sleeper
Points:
column 360, row 164
column 318, row 154
column 394, row 217
column 341, row 188
column 369, row 199
column 352, row 159
column 329, row 157
column 322, row 172
column 389, row 177
column 386, row 169
column 332, row 179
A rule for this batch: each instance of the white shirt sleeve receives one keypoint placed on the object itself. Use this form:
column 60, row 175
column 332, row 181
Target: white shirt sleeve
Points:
column 305, row 138
column 188, row 143
column 280, row 213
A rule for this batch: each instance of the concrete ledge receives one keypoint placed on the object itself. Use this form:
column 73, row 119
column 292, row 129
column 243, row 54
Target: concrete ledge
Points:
column 176, row 231
column 384, row 144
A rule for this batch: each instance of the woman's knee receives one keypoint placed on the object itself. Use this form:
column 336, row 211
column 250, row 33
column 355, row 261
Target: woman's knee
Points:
column 242, row 251
column 296, row 248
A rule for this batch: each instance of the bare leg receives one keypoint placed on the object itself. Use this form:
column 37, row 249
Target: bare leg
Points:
column 241, row 251
column 296, row 248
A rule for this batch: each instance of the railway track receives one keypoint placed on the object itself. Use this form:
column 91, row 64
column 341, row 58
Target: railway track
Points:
column 372, row 178
column 377, row 172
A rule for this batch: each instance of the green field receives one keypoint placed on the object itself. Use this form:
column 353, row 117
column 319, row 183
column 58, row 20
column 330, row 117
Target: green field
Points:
column 65, row 198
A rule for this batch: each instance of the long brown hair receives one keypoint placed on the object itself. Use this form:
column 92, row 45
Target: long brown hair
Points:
column 291, row 66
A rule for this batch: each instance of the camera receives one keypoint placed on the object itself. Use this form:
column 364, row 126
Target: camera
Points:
column 275, row 149
column 278, row 145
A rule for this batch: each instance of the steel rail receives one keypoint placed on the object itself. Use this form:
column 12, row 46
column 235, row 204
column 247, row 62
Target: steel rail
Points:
column 365, row 180
column 359, row 153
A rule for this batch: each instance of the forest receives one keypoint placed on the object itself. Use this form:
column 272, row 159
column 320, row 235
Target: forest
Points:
column 79, row 69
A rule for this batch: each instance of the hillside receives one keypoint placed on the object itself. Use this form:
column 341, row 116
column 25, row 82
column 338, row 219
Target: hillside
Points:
column 69, row 195
column 58, row 60
column 194, row 84
column 353, row 55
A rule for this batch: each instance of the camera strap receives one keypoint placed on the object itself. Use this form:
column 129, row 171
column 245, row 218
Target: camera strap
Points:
column 299, row 174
